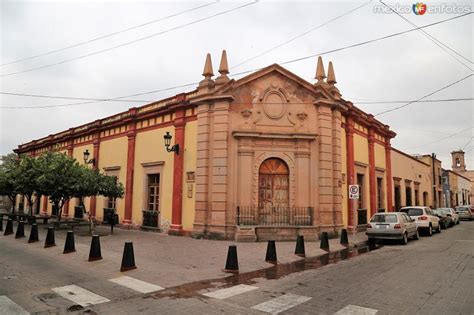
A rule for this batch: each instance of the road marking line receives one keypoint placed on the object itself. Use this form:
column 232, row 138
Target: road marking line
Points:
column 80, row 295
column 228, row 292
column 281, row 303
column 356, row 310
column 135, row 284
column 8, row 307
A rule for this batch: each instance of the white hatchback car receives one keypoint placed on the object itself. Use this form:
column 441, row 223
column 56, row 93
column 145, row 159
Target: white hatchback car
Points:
column 424, row 218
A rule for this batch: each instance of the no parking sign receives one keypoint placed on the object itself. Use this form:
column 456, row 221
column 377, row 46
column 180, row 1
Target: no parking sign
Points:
column 353, row 191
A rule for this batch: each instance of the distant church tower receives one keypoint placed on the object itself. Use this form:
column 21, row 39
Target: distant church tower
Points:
column 459, row 163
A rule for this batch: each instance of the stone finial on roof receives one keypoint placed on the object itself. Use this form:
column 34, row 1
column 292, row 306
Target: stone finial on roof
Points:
column 207, row 72
column 223, row 69
column 320, row 74
column 331, row 76
column 207, row 83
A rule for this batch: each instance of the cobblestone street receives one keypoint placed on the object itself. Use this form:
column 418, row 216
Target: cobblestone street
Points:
column 430, row 276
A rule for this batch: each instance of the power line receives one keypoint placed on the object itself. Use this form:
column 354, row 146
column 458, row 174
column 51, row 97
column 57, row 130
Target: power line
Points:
column 300, row 35
column 465, row 146
column 422, row 101
column 101, row 100
column 373, row 40
column 425, row 96
column 253, row 70
column 142, row 101
column 69, row 97
column 107, row 35
column 436, row 41
column 445, row 138
column 130, row 42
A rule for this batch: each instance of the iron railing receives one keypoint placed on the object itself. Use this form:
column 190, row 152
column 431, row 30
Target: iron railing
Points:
column 278, row 216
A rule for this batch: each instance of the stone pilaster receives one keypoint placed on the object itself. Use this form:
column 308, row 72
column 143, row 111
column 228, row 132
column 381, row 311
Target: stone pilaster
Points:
column 326, row 172
column 201, row 218
column 337, row 168
column 219, row 169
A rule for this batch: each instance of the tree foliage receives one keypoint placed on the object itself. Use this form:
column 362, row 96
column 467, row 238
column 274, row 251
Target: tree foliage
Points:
column 26, row 178
column 57, row 176
column 8, row 175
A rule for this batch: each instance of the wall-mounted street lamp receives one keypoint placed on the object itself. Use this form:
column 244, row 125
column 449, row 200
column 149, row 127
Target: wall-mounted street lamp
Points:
column 86, row 158
column 174, row 148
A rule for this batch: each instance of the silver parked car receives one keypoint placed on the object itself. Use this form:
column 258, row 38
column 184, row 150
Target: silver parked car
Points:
column 465, row 212
column 392, row 225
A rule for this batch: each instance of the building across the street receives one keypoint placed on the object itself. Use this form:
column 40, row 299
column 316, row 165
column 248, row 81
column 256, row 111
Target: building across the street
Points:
column 269, row 155
column 459, row 182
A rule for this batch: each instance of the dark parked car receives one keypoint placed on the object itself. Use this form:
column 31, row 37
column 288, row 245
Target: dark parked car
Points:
column 444, row 220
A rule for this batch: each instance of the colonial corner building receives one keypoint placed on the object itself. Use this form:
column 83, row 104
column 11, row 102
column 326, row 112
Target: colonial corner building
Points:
column 269, row 155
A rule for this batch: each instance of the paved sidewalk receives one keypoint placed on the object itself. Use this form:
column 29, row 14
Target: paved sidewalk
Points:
column 160, row 258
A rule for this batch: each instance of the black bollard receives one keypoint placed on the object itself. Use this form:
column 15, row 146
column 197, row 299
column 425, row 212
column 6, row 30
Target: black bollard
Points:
column 344, row 238
column 69, row 246
column 271, row 255
column 1, row 222
column 299, row 250
column 128, row 258
column 232, row 262
column 324, row 241
column 50, row 242
column 95, row 253
column 33, row 234
column 9, row 227
column 20, row 230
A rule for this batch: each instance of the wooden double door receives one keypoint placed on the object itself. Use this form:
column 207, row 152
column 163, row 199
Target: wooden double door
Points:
column 273, row 193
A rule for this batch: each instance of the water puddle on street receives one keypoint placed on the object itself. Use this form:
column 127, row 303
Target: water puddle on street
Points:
column 277, row 271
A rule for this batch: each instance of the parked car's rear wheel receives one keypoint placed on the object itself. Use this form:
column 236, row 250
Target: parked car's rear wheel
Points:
column 417, row 235
column 430, row 231
column 405, row 239
column 439, row 228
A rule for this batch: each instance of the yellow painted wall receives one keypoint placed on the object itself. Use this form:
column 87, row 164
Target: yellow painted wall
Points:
column 190, row 144
column 78, row 154
column 345, row 218
column 379, row 155
column 113, row 153
column 149, row 147
column 361, row 149
column 407, row 168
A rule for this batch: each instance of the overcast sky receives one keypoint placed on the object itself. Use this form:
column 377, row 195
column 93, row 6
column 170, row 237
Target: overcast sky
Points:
column 405, row 67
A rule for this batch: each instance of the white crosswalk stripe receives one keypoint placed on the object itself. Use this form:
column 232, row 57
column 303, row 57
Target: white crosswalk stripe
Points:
column 135, row 284
column 228, row 292
column 281, row 303
column 355, row 310
column 80, row 295
column 8, row 307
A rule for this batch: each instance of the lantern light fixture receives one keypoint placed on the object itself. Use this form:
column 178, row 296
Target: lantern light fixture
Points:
column 175, row 148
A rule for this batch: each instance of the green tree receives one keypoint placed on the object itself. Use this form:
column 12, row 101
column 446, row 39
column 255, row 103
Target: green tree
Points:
column 58, row 179
column 8, row 175
column 27, row 175
column 110, row 187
